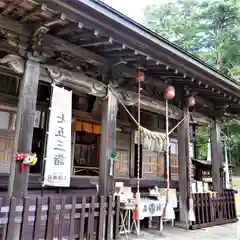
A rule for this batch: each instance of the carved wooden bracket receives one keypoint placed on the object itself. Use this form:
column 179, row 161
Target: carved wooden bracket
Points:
column 82, row 83
column 77, row 81
column 15, row 62
column 131, row 99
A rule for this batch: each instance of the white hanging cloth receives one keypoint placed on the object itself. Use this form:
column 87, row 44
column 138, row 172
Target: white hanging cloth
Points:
column 226, row 168
column 209, row 154
column 153, row 140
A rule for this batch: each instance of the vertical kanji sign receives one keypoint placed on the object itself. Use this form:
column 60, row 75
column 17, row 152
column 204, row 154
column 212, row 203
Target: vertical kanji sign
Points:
column 58, row 155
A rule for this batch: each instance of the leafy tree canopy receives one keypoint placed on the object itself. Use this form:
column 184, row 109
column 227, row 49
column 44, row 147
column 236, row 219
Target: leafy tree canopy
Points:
column 209, row 29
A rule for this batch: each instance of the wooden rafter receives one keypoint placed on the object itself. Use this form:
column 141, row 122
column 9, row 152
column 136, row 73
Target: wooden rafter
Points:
column 10, row 6
column 35, row 11
column 72, row 27
column 63, row 45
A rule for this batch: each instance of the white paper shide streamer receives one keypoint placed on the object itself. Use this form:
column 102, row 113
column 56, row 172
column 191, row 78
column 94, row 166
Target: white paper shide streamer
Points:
column 58, row 154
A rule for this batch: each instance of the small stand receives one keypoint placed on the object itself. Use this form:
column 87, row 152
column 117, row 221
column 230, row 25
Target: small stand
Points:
column 126, row 211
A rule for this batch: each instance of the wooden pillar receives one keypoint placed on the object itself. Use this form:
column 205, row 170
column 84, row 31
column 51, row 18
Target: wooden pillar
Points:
column 108, row 144
column 183, row 156
column 18, row 182
column 216, row 155
column 132, row 153
column 195, row 142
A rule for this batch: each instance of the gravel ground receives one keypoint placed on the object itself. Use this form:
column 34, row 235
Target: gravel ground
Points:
column 226, row 232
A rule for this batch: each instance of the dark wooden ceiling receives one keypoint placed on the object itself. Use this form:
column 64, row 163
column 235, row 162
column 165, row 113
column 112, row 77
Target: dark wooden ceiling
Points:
column 77, row 42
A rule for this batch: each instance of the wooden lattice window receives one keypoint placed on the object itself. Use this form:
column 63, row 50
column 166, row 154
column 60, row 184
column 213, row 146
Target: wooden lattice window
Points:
column 6, row 147
column 174, row 159
column 153, row 164
column 123, row 146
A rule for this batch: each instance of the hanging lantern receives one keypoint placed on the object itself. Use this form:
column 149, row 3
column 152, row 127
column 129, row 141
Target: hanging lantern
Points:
column 140, row 76
column 169, row 93
column 191, row 101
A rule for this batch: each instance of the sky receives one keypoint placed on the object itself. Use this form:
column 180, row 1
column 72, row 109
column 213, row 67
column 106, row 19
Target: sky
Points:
column 132, row 8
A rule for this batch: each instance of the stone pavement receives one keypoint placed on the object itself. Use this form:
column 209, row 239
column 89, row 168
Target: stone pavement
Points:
column 226, row 232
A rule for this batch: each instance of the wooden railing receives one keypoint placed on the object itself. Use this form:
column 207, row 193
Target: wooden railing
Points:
column 214, row 209
column 77, row 170
column 69, row 217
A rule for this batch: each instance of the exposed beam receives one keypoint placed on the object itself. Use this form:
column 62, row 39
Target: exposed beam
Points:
column 16, row 27
column 96, row 44
column 113, row 48
column 79, row 82
column 8, row 72
column 137, row 37
column 62, row 45
column 204, row 102
column 9, row 6
column 131, row 72
column 6, row 47
column 89, row 56
column 72, row 27
column 58, row 18
column 35, row 11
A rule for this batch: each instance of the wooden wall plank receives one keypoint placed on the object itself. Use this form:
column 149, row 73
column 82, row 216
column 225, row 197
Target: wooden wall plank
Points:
column 82, row 219
column 101, row 219
column 109, row 218
column 50, row 218
column 72, row 218
column 11, row 227
column 37, row 222
column 25, row 217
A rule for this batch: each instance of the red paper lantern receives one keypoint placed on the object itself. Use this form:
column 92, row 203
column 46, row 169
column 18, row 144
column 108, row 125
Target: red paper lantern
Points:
column 169, row 93
column 140, row 76
column 191, row 101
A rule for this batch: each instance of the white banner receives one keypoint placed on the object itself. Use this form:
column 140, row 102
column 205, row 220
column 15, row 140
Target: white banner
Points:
column 58, row 155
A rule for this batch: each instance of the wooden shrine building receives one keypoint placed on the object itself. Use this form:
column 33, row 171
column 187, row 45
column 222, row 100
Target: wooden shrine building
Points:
column 84, row 45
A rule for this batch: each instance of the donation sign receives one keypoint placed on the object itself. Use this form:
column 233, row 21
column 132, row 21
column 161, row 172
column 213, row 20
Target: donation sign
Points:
column 58, row 154
column 150, row 208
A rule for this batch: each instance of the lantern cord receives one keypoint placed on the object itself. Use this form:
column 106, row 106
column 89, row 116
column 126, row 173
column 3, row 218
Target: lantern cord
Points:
column 144, row 131
column 138, row 153
column 121, row 102
column 191, row 214
column 167, row 151
column 169, row 133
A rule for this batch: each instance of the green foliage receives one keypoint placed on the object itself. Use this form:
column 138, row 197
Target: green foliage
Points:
column 209, row 29
column 202, row 139
column 234, row 72
column 232, row 128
